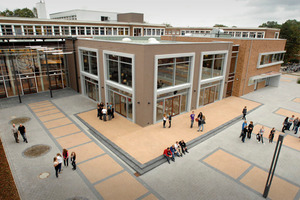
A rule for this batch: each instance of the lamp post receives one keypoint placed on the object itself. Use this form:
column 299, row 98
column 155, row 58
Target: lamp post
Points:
column 16, row 80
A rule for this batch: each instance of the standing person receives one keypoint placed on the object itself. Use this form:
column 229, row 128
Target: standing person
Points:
column 101, row 108
column 73, row 160
column 66, row 157
column 201, row 126
column 258, row 137
column 243, row 126
column 164, row 120
column 199, row 118
column 22, row 131
column 261, row 133
column 297, row 126
column 56, row 166
column 285, row 124
column 290, row 122
column 250, row 129
column 98, row 110
column 295, row 123
column 168, row 155
column 192, row 116
column 109, row 111
column 271, row 136
column 60, row 161
column 112, row 111
column 170, row 119
column 104, row 111
column 244, row 133
column 244, row 113
column 15, row 132
column 178, row 147
column 183, row 146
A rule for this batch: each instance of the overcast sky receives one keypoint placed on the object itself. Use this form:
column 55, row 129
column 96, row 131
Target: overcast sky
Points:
column 241, row 13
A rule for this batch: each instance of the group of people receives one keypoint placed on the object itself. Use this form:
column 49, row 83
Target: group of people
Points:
column 20, row 130
column 58, row 160
column 247, row 131
column 105, row 112
column 289, row 121
column 178, row 149
column 165, row 117
column 200, row 119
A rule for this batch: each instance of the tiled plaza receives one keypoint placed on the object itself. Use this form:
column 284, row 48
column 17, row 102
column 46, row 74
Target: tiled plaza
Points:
column 221, row 167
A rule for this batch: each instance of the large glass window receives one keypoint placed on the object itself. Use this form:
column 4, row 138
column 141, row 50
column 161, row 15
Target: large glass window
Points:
column 213, row 65
column 173, row 71
column 47, row 30
column 89, row 62
column 91, row 88
column 18, row 30
column 209, row 92
column 119, row 69
column 6, row 29
column 271, row 58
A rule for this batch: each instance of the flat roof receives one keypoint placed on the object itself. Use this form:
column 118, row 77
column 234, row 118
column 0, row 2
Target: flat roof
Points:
column 145, row 40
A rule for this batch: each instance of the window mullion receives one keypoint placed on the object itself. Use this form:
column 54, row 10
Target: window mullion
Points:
column 174, row 71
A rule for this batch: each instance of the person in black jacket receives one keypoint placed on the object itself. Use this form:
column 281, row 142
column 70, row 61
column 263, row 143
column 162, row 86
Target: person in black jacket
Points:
column 183, row 146
column 244, row 113
column 250, row 129
column 244, row 133
column 170, row 119
column 285, row 124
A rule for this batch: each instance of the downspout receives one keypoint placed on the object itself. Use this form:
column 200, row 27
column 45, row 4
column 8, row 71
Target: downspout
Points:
column 75, row 63
column 247, row 67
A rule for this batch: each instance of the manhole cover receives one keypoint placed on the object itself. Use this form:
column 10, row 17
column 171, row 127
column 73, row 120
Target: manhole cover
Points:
column 78, row 198
column 36, row 150
column 20, row 120
column 44, row 175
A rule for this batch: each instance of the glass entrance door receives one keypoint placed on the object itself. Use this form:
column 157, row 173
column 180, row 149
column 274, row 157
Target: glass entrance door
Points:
column 29, row 85
column 2, row 88
column 172, row 105
column 123, row 105
column 56, row 81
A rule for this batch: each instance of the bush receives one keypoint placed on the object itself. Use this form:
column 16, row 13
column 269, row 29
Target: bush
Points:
column 298, row 81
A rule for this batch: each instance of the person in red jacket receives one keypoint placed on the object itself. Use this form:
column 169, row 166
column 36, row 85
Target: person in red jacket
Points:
column 168, row 155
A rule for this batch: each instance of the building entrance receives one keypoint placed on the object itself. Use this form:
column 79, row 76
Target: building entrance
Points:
column 2, row 88
column 209, row 93
column 172, row 105
column 29, row 85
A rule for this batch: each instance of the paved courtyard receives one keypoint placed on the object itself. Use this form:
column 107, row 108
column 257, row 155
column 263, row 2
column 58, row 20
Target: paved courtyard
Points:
column 221, row 167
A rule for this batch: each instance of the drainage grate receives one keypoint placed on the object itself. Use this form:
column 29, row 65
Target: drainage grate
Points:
column 44, row 175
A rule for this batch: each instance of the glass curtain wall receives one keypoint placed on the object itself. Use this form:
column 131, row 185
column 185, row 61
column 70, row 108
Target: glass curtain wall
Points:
column 171, row 102
column 31, row 72
column 89, row 73
column 209, row 93
column 213, row 65
column 231, row 75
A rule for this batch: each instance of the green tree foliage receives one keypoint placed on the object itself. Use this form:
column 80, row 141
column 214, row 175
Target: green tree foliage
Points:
column 290, row 30
column 270, row 24
column 219, row 25
column 24, row 12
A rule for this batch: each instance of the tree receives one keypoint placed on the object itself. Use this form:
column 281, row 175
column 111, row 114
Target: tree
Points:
column 24, row 12
column 219, row 25
column 270, row 24
column 290, row 30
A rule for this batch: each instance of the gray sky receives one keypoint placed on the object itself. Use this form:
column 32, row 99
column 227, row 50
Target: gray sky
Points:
column 241, row 13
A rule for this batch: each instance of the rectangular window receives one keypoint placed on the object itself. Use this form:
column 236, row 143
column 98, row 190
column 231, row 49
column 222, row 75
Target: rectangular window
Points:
column 126, row 31
column 115, row 31
column 65, row 30
column 260, row 35
column 47, row 30
column 173, row 71
column 245, row 34
column 28, row 30
column 276, row 35
column 89, row 62
column 18, row 30
column 88, row 30
column 38, row 30
column 119, row 69
column 73, row 30
column 121, row 31
column 108, row 31
column 95, row 30
column 252, row 35
column 237, row 34
column 213, row 65
column 102, row 31
column 7, row 29
column 104, row 18
column 56, row 30
column 80, row 30
column 270, row 59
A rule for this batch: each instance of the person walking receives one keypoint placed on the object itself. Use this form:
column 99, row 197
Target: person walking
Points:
column 66, row 157
column 164, row 120
column 199, row 119
column 192, row 116
column 170, row 119
column 295, row 122
column 60, row 161
column 112, row 111
column 22, row 131
column 101, row 108
column 244, row 133
column 201, row 126
column 285, row 124
column 250, row 129
column 290, row 122
column 261, row 133
column 243, row 126
column 98, row 110
column 271, row 136
column 73, row 160
column 15, row 133
column 56, row 166
column 244, row 113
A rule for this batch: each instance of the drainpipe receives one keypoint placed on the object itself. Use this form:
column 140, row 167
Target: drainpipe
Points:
column 247, row 67
column 75, row 63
